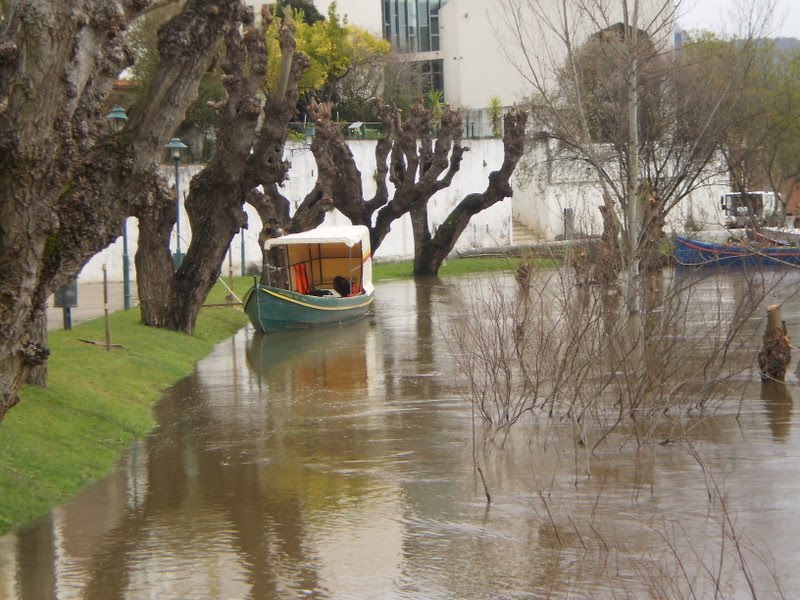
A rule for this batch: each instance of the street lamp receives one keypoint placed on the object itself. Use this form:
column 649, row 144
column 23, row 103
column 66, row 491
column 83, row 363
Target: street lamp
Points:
column 117, row 117
column 175, row 146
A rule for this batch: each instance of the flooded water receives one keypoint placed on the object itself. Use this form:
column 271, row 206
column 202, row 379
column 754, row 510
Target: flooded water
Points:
column 340, row 463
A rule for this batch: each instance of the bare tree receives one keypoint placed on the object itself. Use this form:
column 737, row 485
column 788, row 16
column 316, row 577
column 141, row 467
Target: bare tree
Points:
column 615, row 95
column 67, row 184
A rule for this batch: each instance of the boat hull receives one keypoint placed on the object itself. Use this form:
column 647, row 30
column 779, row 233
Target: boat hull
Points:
column 273, row 309
column 695, row 253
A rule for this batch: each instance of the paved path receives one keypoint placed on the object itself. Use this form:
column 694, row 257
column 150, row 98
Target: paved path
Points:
column 90, row 304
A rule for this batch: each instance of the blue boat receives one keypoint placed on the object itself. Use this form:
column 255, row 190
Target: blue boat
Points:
column 326, row 280
column 696, row 253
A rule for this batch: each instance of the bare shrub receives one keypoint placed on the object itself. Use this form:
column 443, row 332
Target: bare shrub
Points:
column 575, row 353
column 595, row 390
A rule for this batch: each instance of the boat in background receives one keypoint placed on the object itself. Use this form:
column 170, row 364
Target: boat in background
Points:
column 325, row 279
column 696, row 253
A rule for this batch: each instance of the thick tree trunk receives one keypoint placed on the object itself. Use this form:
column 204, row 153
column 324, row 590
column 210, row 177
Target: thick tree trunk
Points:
column 434, row 252
column 607, row 262
column 422, row 234
column 154, row 264
column 65, row 184
column 217, row 194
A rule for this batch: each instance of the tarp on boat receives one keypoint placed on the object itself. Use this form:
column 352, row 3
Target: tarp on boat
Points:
column 316, row 256
column 349, row 235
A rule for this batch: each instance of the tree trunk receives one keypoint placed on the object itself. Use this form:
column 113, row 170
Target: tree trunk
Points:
column 422, row 234
column 433, row 253
column 66, row 183
column 217, row 194
column 38, row 374
column 154, row 263
column 632, row 192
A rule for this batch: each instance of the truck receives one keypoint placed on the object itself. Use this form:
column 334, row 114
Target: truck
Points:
column 738, row 208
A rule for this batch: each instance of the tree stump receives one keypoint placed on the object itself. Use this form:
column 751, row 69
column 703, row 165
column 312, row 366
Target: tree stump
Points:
column 777, row 350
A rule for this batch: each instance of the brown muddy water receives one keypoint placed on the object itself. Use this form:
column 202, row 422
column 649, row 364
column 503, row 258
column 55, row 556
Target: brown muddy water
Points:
column 340, row 463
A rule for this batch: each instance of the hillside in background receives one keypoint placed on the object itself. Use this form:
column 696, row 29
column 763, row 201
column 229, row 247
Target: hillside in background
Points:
column 785, row 44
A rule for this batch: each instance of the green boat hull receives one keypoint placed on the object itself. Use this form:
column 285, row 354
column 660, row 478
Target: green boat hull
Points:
column 273, row 309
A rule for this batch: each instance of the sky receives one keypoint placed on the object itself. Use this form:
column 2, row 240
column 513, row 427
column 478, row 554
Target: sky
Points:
column 718, row 15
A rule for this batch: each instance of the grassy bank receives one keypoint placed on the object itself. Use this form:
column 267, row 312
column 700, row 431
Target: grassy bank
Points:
column 97, row 402
column 454, row 267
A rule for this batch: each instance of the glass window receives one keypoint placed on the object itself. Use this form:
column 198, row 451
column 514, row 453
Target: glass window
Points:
column 413, row 46
column 412, row 25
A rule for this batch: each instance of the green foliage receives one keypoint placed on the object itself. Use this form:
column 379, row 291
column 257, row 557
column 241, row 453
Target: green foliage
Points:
column 762, row 148
column 434, row 101
column 496, row 116
column 305, row 7
column 332, row 46
column 403, row 82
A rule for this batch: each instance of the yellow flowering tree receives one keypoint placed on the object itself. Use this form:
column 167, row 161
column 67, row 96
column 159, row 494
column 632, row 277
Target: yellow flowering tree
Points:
column 333, row 46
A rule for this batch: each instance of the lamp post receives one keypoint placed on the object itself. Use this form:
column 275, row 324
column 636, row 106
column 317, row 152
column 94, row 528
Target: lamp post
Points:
column 175, row 146
column 244, row 268
column 117, row 117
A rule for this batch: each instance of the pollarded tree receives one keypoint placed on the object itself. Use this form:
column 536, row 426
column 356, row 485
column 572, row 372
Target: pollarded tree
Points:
column 200, row 123
column 246, row 156
column 417, row 167
column 67, row 183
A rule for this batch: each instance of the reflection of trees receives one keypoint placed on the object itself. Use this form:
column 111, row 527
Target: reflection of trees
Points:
column 411, row 365
column 779, row 405
column 36, row 546
column 194, row 467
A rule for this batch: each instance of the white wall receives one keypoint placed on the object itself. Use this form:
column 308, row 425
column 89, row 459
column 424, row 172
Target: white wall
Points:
column 482, row 50
column 550, row 187
column 490, row 228
column 476, row 67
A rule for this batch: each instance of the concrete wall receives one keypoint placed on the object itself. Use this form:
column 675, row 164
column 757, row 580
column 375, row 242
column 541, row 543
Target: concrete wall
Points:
column 482, row 51
column 476, row 67
column 548, row 187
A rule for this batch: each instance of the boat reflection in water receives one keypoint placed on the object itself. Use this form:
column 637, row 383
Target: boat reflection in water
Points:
column 333, row 361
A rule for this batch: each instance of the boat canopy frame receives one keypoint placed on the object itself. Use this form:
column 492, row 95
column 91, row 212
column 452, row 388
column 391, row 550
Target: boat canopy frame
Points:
column 315, row 257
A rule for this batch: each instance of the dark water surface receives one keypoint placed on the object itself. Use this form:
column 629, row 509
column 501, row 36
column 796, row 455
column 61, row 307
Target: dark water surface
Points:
column 339, row 464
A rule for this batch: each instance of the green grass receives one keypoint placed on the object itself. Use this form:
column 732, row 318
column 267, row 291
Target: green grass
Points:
column 454, row 267
column 59, row 439
column 97, row 402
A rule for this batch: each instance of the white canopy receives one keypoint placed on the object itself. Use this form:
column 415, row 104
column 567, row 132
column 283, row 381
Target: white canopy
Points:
column 349, row 235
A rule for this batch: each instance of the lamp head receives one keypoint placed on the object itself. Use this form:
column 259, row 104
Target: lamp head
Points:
column 175, row 146
column 117, row 117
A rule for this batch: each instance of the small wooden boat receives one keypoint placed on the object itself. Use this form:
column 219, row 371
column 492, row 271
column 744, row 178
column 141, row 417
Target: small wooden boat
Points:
column 694, row 253
column 326, row 279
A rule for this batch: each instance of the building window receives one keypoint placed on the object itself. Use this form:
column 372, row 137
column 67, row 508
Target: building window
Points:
column 433, row 75
column 412, row 25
